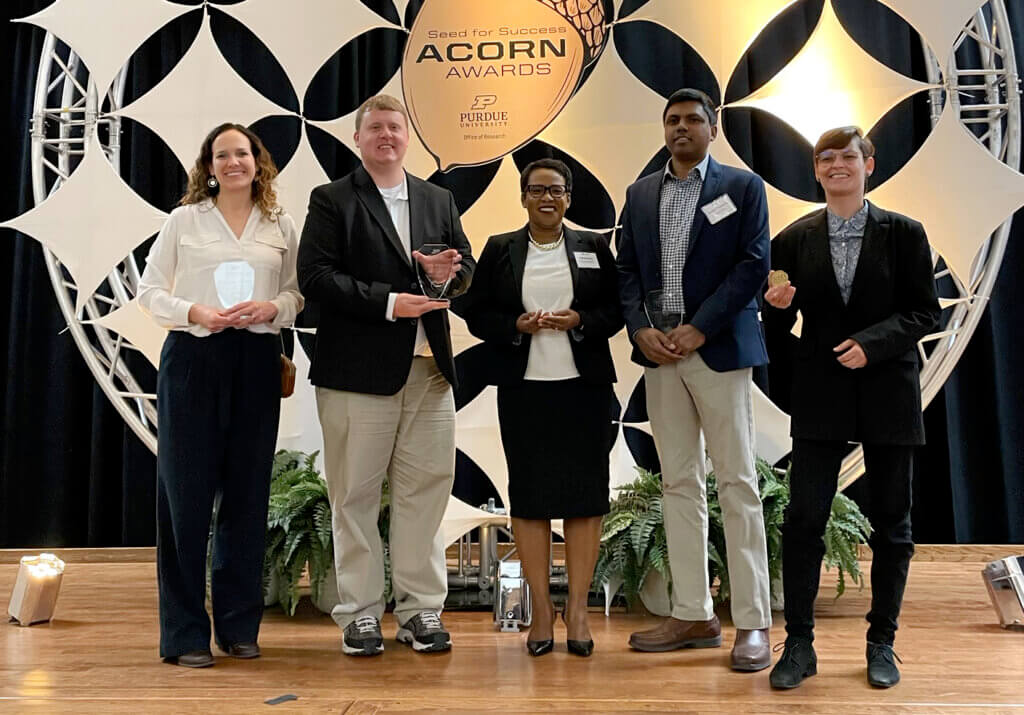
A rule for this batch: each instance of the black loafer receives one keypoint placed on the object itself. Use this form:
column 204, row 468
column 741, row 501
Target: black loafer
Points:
column 243, row 650
column 543, row 647
column 195, row 659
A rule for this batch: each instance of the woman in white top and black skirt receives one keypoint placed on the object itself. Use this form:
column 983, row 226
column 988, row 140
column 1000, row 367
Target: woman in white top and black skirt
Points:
column 221, row 277
column 545, row 299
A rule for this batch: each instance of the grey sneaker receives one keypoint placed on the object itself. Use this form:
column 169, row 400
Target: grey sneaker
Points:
column 363, row 637
column 425, row 633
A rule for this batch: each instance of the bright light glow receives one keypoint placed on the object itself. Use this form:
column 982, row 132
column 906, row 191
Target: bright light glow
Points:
column 832, row 82
column 43, row 566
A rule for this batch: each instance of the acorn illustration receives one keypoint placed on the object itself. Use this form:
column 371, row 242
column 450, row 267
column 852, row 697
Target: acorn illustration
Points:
column 588, row 18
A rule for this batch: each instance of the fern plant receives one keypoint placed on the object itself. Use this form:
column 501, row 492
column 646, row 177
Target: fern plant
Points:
column 299, row 529
column 633, row 541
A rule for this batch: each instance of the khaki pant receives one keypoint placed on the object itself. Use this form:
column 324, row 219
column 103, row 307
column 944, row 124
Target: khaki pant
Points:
column 410, row 438
column 685, row 400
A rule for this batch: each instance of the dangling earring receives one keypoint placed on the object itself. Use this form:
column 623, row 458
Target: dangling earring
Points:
column 212, row 182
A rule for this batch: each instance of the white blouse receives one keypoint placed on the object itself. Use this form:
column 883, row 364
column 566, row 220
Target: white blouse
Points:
column 547, row 286
column 194, row 241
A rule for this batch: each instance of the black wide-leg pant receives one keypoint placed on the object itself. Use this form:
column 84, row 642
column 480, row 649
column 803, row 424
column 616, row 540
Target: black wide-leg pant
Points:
column 813, row 483
column 218, row 403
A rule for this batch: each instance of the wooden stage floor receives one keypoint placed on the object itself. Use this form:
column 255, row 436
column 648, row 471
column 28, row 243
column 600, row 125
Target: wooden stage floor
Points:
column 100, row 655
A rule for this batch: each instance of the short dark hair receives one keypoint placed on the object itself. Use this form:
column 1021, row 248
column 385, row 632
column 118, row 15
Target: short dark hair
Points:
column 688, row 94
column 553, row 164
column 841, row 137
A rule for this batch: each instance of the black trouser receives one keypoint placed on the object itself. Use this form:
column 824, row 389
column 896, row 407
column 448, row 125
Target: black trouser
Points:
column 218, row 403
column 813, row 484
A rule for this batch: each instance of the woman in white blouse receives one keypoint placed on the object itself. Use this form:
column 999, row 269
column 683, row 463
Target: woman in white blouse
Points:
column 221, row 277
column 544, row 299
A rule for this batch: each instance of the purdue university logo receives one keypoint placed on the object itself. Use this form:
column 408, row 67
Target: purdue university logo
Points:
column 481, row 79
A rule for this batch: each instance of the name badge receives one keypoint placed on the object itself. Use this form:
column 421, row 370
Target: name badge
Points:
column 719, row 208
column 587, row 259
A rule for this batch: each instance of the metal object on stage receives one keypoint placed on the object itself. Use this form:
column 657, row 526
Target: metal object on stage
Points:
column 36, row 589
column 1005, row 582
column 512, row 606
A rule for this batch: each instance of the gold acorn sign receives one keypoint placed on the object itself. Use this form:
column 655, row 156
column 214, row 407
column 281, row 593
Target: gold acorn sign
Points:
column 481, row 79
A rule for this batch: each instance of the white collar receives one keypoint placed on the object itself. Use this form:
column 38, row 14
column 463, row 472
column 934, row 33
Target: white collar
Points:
column 702, row 168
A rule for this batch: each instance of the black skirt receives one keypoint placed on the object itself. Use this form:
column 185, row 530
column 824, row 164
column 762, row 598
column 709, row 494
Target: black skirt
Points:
column 557, row 435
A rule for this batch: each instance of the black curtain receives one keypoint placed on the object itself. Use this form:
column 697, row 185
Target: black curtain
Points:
column 74, row 475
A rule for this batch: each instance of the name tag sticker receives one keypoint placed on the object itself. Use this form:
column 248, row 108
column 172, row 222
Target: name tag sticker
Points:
column 587, row 259
column 719, row 208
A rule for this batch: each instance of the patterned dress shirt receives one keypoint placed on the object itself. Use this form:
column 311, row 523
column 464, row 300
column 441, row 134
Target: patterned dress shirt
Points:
column 845, row 237
column 678, row 204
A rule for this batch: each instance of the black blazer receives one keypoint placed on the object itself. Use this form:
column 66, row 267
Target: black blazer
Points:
column 350, row 259
column 495, row 301
column 892, row 306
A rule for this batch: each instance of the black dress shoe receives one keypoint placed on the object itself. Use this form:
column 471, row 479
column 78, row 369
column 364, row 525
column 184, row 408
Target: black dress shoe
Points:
column 798, row 661
column 882, row 670
column 243, row 650
column 540, row 647
column 195, row 659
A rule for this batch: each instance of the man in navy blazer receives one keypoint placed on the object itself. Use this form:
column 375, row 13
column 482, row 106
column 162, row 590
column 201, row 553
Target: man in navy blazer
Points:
column 697, row 231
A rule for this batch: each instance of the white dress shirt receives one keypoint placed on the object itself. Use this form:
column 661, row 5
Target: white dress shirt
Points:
column 396, row 199
column 547, row 286
column 194, row 241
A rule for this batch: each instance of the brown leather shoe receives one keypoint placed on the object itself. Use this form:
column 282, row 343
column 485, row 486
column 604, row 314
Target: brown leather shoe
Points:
column 195, row 659
column 243, row 650
column 674, row 633
column 752, row 650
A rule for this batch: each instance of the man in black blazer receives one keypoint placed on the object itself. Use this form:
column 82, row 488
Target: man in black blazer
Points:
column 862, row 279
column 383, row 371
column 698, row 231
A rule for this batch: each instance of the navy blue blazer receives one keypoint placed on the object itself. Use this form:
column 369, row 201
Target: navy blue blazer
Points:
column 726, row 266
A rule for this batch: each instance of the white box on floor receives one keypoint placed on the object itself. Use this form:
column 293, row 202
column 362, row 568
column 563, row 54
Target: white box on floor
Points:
column 35, row 591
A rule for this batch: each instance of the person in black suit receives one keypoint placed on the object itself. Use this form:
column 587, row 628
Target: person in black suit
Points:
column 383, row 370
column 697, row 230
column 545, row 300
column 862, row 279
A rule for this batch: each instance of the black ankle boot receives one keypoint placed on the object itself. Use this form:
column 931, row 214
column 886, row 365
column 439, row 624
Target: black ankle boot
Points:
column 798, row 661
column 882, row 670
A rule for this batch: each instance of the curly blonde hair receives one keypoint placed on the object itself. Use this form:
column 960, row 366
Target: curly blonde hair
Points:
column 263, row 194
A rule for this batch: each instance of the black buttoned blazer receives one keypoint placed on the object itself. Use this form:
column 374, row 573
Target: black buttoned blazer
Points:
column 495, row 301
column 350, row 259
column 892, row 306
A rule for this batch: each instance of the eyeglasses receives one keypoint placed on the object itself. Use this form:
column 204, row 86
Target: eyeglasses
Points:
column 830, row 157
column 557, row 191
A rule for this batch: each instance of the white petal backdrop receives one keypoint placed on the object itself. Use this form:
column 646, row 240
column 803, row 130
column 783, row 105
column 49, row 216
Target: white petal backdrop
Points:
column 813, row 92
column 306, row 34
column 957, row 189
column 92, row 222
column 719, row 31
column 202, row 91
column 104, row 51
column 135, row 325
column 939, row 29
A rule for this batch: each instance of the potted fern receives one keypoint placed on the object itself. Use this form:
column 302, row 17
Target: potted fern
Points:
column 634, row 549
column 299, row 535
